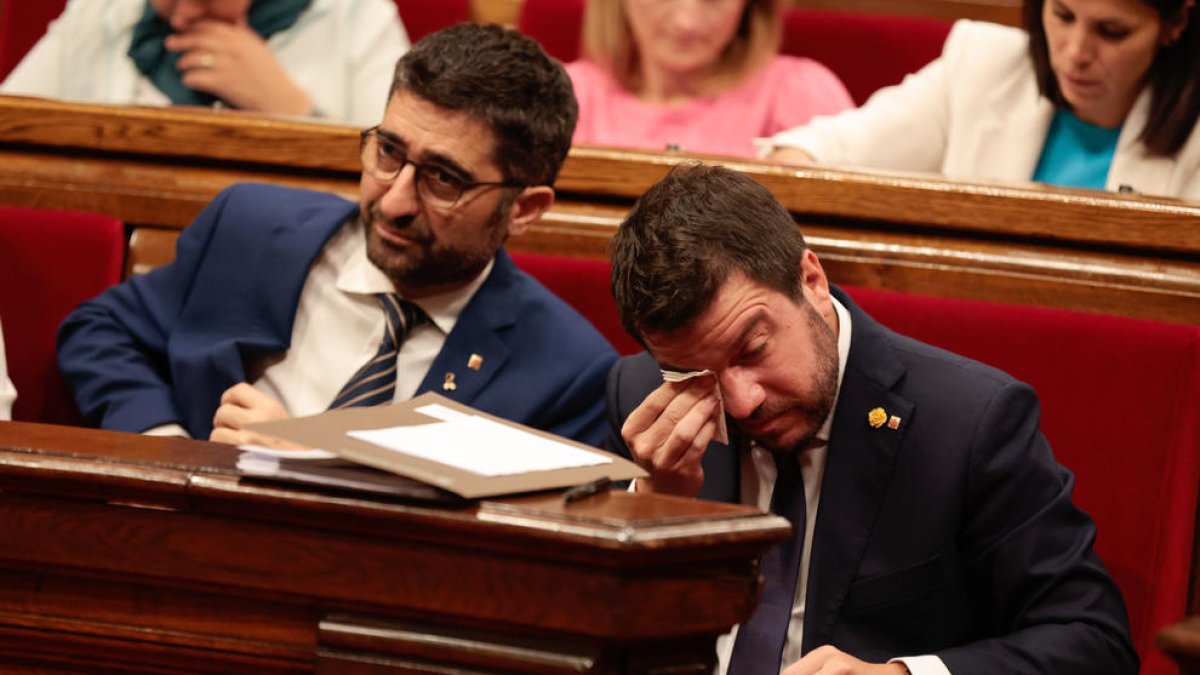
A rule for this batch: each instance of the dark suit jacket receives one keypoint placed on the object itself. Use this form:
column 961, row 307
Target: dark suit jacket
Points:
column 162, row 347
column 953, row 534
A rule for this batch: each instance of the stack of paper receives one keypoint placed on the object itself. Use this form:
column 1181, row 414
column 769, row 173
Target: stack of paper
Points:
column 429, row 448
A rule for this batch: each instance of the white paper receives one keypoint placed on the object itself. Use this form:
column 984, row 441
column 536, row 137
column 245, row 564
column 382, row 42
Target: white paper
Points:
column 481, row 446
column 287, row 454
column 722, row 434
column 443, row 413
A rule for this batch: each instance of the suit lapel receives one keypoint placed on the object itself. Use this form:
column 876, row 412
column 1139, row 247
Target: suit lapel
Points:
column 857, row 473
column 476, row 333
column 289, row 252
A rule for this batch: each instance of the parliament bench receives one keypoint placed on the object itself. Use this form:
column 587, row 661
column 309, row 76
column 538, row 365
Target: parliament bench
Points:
column 1120, row 406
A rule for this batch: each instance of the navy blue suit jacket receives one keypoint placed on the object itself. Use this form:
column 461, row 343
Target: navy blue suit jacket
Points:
column 953, row 534
column 162, row 347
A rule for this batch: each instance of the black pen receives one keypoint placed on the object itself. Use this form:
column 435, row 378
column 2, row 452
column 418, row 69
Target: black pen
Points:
column 587, row 489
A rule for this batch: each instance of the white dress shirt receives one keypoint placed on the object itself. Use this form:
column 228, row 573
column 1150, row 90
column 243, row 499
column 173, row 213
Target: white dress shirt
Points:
column 338, row 327
column 8, row 393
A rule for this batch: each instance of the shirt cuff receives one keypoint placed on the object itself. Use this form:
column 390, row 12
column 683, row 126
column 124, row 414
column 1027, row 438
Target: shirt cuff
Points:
column 927, row 664
column 167, row 430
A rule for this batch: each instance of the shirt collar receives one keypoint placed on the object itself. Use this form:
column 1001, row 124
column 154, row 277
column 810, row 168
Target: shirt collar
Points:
column 359, row 277
column 843, row 351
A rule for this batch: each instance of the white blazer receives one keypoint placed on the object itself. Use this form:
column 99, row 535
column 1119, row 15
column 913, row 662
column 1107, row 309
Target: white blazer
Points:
column 975, row 114
column 341, row 52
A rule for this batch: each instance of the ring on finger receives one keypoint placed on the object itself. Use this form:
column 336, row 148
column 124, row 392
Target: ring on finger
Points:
column 206, row 60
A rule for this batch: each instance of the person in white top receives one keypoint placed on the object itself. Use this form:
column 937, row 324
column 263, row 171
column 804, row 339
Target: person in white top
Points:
column 1098, row 94
column 321, row 58
column 8, row 393
column 935, row 532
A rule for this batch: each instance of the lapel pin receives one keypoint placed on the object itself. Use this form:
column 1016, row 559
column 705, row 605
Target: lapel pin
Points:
column 894, row 422
column 877, row 417
column 448, row 382
column 475, row 362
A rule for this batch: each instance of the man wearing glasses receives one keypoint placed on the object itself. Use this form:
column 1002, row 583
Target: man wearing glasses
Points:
column 288, row 302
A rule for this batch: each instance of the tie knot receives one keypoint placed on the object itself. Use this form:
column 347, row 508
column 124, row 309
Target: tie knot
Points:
column 402, row 317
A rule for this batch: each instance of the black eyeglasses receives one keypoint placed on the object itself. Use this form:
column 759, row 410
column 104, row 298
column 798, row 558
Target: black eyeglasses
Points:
column 438, row 185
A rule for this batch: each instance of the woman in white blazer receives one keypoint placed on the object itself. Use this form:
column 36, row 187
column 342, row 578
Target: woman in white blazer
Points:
column 322, row 58
column 989, row 108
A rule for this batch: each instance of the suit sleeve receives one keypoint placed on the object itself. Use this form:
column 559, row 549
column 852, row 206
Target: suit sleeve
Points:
column 578, row 413
column 113, row 350
column 1037, row 583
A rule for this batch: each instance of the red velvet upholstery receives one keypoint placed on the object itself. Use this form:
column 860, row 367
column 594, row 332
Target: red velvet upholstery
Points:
column 555, row 24
column 1121, row 408
column 50, row 261
column 422, row 17
column 19, row 30
column 867, row 51
column 584, row 284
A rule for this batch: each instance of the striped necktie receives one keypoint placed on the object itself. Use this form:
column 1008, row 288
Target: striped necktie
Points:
column 758, row 649
column 375, row 382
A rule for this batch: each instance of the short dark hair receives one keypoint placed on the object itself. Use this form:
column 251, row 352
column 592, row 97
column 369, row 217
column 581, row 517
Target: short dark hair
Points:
column 505, row 80
column 1174, row 89
column 687, row 234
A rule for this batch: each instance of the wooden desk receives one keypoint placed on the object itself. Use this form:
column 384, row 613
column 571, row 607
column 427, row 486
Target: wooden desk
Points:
column 149, row 555
column 1075, row 249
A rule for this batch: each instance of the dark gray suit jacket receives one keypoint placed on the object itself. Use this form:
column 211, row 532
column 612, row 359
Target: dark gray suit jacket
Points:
column 952, row 535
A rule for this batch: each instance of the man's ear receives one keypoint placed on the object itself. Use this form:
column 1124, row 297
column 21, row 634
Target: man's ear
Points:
column 528, row 207
column 813, row 281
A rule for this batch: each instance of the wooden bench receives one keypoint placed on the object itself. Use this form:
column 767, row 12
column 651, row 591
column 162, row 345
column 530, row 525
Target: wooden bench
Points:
column 1091, row 251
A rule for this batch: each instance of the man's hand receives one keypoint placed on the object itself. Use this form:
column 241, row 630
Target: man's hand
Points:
column 242, row 405
column 668, row 433
column 234, row 64
column 831, row 661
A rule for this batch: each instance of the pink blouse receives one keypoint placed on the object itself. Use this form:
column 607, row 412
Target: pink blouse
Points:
column 785, row 94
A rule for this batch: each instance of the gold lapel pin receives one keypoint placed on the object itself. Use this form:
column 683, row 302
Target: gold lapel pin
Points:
column 877, row 417
column 894, row 422
column 448, row 382
column 475, row 362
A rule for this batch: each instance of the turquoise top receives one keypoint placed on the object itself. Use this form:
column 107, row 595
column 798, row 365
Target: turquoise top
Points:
column 1076, row 153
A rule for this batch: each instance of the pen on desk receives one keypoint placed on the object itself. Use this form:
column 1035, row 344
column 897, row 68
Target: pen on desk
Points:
column 587, row 489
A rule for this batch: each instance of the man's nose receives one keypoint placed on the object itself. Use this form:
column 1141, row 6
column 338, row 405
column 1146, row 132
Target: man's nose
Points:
column 401, row 198
column 741, row 392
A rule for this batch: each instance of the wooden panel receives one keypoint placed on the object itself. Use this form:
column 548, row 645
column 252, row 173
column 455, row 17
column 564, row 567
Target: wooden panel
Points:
column 149, row 555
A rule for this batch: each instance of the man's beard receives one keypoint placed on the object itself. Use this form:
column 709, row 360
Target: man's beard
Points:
column 824, row 390
column 428, row 263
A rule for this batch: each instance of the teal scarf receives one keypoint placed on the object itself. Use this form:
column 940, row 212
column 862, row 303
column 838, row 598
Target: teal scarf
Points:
column 266, row 17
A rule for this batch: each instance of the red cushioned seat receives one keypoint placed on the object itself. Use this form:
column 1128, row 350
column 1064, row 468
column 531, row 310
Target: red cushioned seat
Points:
column 20, row 29
column 584, row 284
column 867, row 51
column 555, row 24
column 1121, row 409
column 422, row 17
column 50, row 261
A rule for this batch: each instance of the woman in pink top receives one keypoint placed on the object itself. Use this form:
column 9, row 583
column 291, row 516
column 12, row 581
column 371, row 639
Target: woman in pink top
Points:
column 699, row 76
